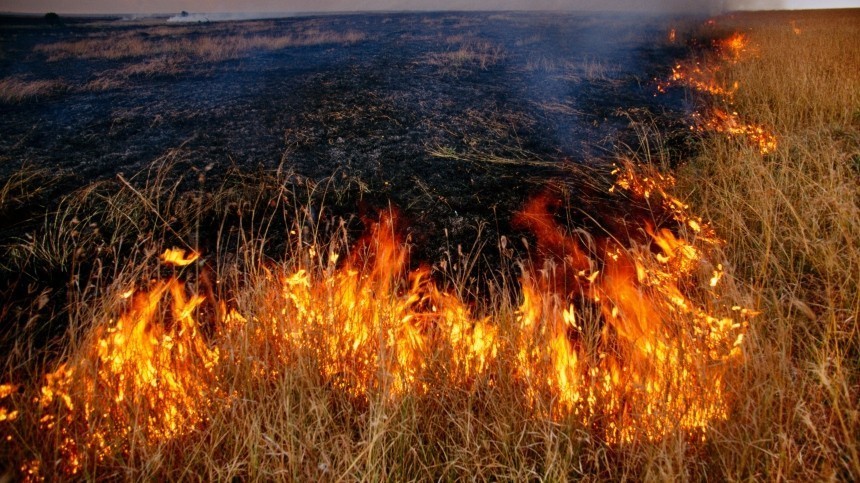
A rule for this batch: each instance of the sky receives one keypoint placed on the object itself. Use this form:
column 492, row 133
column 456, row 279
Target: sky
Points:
column 174, row 6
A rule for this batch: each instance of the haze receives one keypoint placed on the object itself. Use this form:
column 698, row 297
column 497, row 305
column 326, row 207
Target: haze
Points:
column 173, row 6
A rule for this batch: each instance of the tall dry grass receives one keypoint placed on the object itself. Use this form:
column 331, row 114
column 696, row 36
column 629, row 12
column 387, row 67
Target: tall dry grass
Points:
column 792, row 224
column 465, row 53
column 277, row 418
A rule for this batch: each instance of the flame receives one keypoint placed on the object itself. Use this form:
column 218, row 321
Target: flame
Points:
column 733, row 47
column 703, row 78
column 729, row 123
column 606, row 334
column 372, row 325
column 148, row 375
column 699, row 77
column 672, row 35
column 176, row 256
column 794, row 28
column 652, row 361
column 7, row 390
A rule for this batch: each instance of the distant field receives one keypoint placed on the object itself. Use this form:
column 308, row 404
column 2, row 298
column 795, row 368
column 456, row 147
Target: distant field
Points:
column 436, row 246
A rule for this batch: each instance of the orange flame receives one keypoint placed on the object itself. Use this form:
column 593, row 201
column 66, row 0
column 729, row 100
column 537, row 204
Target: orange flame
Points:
column 652, row 361
column 724, row 122
column 794, row 28
column 733, row 47
column 145, row 363
column 703, row 78
column 699, row 77
column 607, row 334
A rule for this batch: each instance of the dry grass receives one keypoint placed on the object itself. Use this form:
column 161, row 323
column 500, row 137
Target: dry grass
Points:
column 792, row 223
column 17, row 89
column 206, row 47
column 170, row 50
column 26, row 183
column 280, row 418
column 466, row 53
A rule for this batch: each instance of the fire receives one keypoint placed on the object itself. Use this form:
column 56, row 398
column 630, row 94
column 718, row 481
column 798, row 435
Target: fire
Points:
column 703, row 78
column 794, row 28
column 733, row 47
column 146, row 376
column 729, row 122
column 176, row 256
column 606, row 334
column 372, row 326
column 650, row 360
column 699, row 77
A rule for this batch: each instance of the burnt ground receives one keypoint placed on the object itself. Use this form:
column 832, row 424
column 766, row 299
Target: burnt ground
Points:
column 377, row 112
column 455, row 119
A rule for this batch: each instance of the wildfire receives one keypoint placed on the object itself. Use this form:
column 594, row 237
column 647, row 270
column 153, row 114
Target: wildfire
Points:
column 606, row 333
column 698, row 77
column 729, row 122
column 733, row 47
column 794, row 28
column 147, row 376
column 176, row 256
column 703, row 77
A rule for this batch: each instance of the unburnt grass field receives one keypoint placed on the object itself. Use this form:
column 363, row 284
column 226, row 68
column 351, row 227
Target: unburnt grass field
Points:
column 431, row 246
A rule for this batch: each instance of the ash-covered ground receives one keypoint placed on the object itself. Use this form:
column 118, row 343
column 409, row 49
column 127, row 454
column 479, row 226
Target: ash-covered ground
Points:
column 454, row 118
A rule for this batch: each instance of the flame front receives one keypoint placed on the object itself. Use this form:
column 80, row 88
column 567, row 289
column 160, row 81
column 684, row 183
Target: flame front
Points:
column 728, row 122
column 704, row 77
column 606, row 335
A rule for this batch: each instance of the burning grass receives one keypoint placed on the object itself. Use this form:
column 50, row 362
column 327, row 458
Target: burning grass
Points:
column 614, row 339
column 621, row 352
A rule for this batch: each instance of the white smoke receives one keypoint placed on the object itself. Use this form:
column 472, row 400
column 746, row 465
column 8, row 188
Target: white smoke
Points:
column 224, row 16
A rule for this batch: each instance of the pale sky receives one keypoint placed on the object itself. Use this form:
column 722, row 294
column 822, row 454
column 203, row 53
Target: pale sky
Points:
column 174, row 6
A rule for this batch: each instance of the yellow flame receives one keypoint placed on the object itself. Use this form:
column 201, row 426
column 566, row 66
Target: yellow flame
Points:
column 147, row 373
column 176, row 256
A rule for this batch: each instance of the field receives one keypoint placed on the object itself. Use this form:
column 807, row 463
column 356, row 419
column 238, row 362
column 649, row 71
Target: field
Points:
column 431, row 246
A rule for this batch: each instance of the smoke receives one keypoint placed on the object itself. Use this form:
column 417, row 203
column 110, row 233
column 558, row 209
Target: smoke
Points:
column 755, row 5
column 222, row 17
